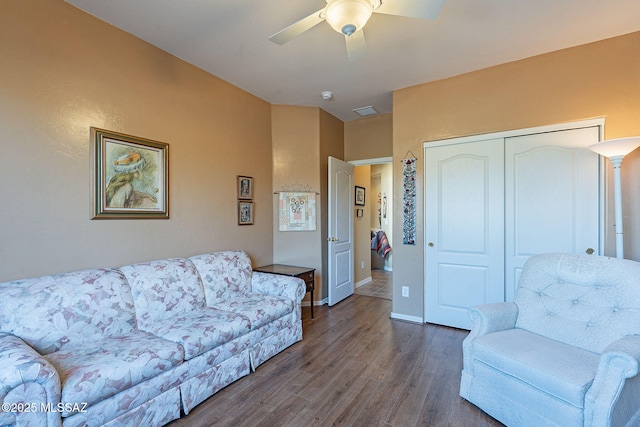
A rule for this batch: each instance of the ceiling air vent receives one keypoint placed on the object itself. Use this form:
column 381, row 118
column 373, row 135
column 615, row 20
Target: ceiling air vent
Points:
column 365, row 111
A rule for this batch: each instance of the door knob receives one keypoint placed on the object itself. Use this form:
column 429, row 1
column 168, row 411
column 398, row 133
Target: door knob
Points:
column 332, row 239
column 430, row 244
column 590, row 251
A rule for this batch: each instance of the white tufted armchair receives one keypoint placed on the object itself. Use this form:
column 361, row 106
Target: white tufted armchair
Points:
column 565, row 352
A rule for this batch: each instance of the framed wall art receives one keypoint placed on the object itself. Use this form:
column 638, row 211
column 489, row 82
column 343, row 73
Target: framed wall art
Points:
column 245, row 188
column 245, row 213
column 359, row 197
column 130, row 176
column 297, row 211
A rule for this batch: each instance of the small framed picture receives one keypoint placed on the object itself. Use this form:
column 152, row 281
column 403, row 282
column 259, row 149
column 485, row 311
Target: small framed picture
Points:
column 245, row 213
column 245, row 188
column 360, row 196
column 359, row 213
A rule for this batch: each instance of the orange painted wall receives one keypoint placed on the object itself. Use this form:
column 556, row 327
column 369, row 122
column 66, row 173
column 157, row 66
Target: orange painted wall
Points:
column 369, row 138
column 62, row 71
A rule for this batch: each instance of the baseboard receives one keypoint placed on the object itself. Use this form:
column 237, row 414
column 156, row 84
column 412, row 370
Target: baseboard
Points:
column 364, row 282
column 307, row 303
column 412, row 319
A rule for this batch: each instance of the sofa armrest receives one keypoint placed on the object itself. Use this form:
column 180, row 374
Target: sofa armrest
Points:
column 278, row 285
column 613, row 397
column 29, row 384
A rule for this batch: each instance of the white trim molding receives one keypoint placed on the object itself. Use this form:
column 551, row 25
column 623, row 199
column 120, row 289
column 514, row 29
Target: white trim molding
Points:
column 364, row 282
column 412, row 319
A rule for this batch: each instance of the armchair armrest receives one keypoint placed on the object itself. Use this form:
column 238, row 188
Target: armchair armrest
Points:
column 28, row 384
column 614, row 392
column 494, row 317
column 278, row 285
column 488, row 318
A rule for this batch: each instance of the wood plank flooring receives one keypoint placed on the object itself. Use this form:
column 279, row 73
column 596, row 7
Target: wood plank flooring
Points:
column 354, row 367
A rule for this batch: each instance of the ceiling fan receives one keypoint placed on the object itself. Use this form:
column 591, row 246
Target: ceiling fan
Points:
column 348, row 17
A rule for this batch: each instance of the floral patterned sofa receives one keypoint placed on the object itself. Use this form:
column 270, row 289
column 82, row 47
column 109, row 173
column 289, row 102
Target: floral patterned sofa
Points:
column 136, row 345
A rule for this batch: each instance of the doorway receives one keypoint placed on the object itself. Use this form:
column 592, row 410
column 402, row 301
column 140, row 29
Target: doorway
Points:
column 373, row 261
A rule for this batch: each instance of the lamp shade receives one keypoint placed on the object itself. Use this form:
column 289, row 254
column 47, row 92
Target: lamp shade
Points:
column 616, row 147
column 348, row 16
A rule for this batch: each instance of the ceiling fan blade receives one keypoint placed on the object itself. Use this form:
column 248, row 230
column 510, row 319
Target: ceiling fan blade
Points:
column 356, row 46
column 294, row 30
column 421, row 9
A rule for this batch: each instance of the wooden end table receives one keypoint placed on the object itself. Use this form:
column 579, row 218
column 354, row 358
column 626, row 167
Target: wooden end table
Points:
column 304, row 273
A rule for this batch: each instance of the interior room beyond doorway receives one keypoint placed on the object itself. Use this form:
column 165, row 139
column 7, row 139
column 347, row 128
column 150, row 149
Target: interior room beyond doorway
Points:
column 373, row 228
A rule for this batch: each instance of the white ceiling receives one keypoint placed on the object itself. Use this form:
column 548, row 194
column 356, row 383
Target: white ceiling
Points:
column 229, row 39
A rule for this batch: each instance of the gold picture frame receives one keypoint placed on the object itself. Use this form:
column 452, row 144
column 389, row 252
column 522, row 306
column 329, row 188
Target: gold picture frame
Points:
column 130, row 176
column 245, row 187
column 245, row 213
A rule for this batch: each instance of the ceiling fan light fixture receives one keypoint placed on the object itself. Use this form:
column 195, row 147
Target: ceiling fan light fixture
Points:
column 348, row 16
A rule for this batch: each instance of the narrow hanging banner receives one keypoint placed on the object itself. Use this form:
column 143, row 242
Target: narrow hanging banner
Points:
column 409, row 201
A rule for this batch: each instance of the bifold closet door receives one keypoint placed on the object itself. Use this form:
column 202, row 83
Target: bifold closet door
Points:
column 491, row 204
column 464, row 229
column 552, row 201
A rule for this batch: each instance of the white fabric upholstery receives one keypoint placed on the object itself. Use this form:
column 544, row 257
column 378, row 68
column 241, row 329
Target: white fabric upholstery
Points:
column 566, row 352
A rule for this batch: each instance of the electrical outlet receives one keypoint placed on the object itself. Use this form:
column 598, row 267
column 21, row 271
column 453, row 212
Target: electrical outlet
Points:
column 405, row 291
column 362, row 266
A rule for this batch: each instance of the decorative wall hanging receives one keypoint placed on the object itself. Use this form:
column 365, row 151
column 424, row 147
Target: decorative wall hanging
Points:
column 130, row 176
column 359, row 196
column 409, row 200
column 245, row 213
column 297, row 211
column 245, row 188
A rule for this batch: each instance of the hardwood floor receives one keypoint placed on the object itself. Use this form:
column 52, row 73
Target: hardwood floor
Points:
column 381, row 285
column 354, row 367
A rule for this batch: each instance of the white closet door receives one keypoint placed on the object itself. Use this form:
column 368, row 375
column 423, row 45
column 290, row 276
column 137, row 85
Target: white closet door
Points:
column 551, row 197
column 464, row 228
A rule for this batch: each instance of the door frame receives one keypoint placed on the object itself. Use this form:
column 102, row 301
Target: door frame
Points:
column 603, row 184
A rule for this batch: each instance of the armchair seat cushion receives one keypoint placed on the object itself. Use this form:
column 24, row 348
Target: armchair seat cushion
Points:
column 94, row 371
column 201, row 330
column 259, row 308
column 560, row 370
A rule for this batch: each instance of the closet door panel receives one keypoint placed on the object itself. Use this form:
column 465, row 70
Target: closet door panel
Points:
column 552, row 197
column 464, row 230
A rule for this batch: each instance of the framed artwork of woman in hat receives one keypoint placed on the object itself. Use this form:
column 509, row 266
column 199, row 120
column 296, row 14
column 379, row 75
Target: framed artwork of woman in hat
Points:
column 130, row 176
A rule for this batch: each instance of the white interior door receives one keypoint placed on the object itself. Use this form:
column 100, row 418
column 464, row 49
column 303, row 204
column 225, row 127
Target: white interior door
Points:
column 340, row 234
column 464, row 227
column 552, row 200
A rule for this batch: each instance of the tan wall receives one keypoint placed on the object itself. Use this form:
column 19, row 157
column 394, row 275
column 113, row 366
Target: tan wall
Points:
column 369, row 138
column 331, row 144
column 296, row 166
column 362, row 226
column 62, row 71
column 595, row 80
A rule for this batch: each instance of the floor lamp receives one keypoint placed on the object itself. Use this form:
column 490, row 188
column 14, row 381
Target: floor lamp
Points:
column 615, row 150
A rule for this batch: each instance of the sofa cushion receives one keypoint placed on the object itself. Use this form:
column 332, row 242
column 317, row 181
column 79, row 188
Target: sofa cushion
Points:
column 202, row 330
column 52, row 312
column 163, row 289
column 259, row 308
column 96, row 370
column 558, row 369
column 588, row 302
column 224, row 274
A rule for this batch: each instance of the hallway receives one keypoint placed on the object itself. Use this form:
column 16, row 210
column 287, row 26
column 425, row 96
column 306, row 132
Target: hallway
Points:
column 381, row 285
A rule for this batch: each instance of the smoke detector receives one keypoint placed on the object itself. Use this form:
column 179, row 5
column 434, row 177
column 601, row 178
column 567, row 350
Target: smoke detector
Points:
column 327, row 95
